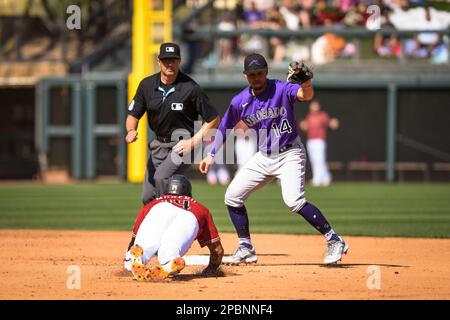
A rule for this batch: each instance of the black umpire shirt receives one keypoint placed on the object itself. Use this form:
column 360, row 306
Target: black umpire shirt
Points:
column 171, row 107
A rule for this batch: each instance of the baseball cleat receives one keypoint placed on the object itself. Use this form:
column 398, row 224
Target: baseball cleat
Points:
column 140, row 271
column 178, row 264
column 241, row 255
column 335, row 250
column 136, row 252
column 158, row 272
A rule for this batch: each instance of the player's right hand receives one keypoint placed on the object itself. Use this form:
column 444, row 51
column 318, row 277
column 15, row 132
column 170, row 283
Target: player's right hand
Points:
column 210, row 271
column 131, row 136
column 205, row 163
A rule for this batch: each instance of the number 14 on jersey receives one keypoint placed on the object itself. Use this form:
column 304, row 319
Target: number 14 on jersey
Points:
column 284, row 127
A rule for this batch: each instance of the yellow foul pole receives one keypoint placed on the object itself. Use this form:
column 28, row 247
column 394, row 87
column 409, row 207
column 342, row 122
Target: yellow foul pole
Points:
column 147, row 23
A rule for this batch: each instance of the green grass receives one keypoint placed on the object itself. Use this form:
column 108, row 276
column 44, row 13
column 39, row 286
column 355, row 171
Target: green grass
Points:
column 375, row 209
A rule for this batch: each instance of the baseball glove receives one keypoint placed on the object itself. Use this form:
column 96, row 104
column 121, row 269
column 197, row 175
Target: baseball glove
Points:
column 299, row 72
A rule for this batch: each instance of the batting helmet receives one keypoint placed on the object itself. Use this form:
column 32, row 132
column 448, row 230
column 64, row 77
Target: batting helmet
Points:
column 179, row 185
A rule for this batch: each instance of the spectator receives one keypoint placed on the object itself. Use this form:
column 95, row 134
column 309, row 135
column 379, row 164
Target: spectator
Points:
column 345, row 5
column 323, row 15
column 425, row 44
column 275, row 20
column 361, row 8
column 253, row 16
column 291, row 15
column 254, row 19
column 356, row 15
column 387, row 45
column 397, row 4
column 327, row 48
column 239, row 11
column 227, row 45
column 417, row 2
column 306, row 12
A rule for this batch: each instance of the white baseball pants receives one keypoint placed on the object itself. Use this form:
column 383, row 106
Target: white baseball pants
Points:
column 261, row 169
column 317, row 149
column 168, row 230
column 245, row 149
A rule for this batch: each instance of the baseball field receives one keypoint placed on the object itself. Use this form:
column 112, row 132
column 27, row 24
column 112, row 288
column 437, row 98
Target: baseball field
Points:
column 399, row 237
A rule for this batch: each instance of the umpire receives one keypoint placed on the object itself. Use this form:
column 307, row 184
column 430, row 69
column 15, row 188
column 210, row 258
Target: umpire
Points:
column 173, row 101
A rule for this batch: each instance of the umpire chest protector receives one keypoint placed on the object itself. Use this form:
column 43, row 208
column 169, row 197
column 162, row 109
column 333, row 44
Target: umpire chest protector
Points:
column 171, row 107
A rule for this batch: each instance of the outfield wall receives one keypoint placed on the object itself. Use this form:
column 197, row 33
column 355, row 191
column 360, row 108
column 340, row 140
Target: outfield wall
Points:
column 399, row 119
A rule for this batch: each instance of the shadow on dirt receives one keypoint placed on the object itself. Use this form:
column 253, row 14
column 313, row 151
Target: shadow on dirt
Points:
column 188, row 277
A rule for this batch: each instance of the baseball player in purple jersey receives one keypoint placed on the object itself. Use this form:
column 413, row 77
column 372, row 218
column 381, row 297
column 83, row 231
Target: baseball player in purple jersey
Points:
column 267, row 106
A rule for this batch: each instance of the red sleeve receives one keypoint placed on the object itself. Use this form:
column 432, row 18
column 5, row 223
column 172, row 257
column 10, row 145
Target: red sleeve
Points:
column 207, row 232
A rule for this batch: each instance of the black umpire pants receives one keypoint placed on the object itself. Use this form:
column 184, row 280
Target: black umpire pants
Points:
column 162, row 163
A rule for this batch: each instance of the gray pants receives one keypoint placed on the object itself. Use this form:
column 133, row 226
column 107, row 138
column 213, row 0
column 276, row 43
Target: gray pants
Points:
column 160, row 167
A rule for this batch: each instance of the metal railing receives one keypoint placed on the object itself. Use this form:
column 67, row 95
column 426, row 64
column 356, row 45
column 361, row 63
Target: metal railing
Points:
column 358, row 32
column 83, row 129
column 359, row 36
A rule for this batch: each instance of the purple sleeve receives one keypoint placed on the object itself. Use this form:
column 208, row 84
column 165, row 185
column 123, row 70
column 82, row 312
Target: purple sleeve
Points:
column 291, row 90
column 229, row 120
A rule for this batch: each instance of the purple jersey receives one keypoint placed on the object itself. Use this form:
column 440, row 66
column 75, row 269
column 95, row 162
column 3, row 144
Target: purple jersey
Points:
column 271, row 114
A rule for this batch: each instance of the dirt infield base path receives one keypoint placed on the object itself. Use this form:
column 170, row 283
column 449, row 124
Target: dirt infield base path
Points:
column 35, row 265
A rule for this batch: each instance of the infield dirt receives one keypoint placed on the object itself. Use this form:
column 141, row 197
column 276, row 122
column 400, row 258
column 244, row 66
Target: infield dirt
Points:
column 35, row 265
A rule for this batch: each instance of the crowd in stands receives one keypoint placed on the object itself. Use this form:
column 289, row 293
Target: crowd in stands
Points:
column 335, row 14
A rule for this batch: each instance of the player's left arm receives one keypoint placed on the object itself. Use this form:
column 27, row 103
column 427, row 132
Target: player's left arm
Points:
column 185, row 146
column 306, row 91
column 229, row 120
column 213, row 124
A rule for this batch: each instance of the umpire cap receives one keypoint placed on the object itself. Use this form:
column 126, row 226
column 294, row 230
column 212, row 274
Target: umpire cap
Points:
column 179, row 185
column 169, row 50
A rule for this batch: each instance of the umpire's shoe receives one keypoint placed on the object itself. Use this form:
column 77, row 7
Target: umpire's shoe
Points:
column 335, row 250
column 242, row 255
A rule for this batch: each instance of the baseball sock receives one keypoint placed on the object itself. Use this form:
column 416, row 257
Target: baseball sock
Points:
column 239, row 218
column 315, row 218
column 246, row 242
